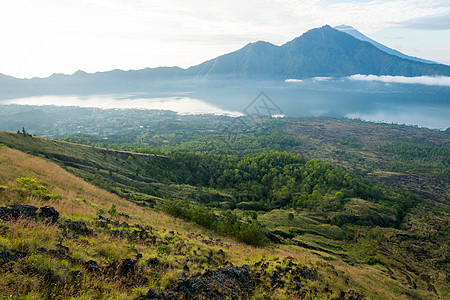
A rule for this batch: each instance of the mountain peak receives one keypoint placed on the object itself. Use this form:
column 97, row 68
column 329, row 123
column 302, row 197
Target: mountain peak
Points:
column 323, row 51
column 343, row 27
column 80, row 73
column 360, row 36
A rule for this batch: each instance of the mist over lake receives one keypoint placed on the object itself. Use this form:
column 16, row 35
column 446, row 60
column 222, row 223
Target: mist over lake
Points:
column 403, row 103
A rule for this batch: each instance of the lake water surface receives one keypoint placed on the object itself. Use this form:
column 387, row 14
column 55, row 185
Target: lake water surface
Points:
column 412, row 104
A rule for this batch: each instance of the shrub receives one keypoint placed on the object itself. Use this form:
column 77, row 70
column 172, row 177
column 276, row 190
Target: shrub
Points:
column 252, row 234
column 113, row 210
column 227, row 223
column 31, row 187
column 164, row 249
column 372, row 260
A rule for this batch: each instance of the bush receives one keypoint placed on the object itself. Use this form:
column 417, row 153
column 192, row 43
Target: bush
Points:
column 227, row 223
column 164, row 249
column 372, row 260
column 113, row 210
column 252, row 234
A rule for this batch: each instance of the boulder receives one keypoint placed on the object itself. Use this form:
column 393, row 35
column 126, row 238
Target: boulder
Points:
column 228, row 282
column 14, row 212
column 6, row 256
column 92, row 265
column 78, row 227
column 49, row 213
column 127, row 266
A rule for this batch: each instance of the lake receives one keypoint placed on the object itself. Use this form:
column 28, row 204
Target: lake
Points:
column 403, row 103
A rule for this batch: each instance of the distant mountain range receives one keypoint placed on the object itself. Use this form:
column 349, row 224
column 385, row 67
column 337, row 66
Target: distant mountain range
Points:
column 319, row 52
column 355, row 33
column 323, row 51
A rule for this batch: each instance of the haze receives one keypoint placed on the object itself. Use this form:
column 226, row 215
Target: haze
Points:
column 42, row 37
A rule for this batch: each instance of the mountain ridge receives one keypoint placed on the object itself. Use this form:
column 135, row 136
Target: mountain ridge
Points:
column 319, row 52
column 360, row 36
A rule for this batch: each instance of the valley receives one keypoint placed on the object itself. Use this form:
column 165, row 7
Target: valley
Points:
column 363, row 206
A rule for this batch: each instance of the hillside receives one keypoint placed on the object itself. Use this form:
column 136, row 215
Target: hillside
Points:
column 74, row 257
column 332, row 250
column 103, row 246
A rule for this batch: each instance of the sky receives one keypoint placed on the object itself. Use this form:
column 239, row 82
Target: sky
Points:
column 42, row 37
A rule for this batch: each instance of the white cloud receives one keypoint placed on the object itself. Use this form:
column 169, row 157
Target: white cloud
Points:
column 322, row 78
column 434, row 22
column 426, row 80
column 293, row 80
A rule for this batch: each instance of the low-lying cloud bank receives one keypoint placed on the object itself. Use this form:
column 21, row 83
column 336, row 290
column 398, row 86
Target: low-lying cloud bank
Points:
column 426, row 80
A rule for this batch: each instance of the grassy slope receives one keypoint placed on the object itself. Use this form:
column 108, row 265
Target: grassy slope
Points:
column 374, row 281
column 81, row 201
column 104, row 167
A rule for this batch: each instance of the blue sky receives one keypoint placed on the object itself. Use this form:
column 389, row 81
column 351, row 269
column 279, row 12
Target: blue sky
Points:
column 41, row 37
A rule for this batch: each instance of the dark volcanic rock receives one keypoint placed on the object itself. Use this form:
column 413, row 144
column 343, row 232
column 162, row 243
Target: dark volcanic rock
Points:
column 92, row 265
column 152, row 262
column 309, row 273
column 127, row 266
column 14, row 212
column 18, row 211
column 49, row 213
column 6, row 256
column 78, row 227
column 350, row 295
column 228, row 282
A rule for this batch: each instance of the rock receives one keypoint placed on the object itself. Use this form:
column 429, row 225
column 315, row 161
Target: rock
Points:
column 49, row 213
column 297, row 285
column 309, row 273
column 153, row 262
column 125, row 224
column 92, row 265
column 14, row 212
column 103, row 223
column 62, row 249
column 153, row 295
column 127, row 266
column 228, row 282
column 41, row 250
column 78, row 227
column 6, row 256
column 350, row 295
